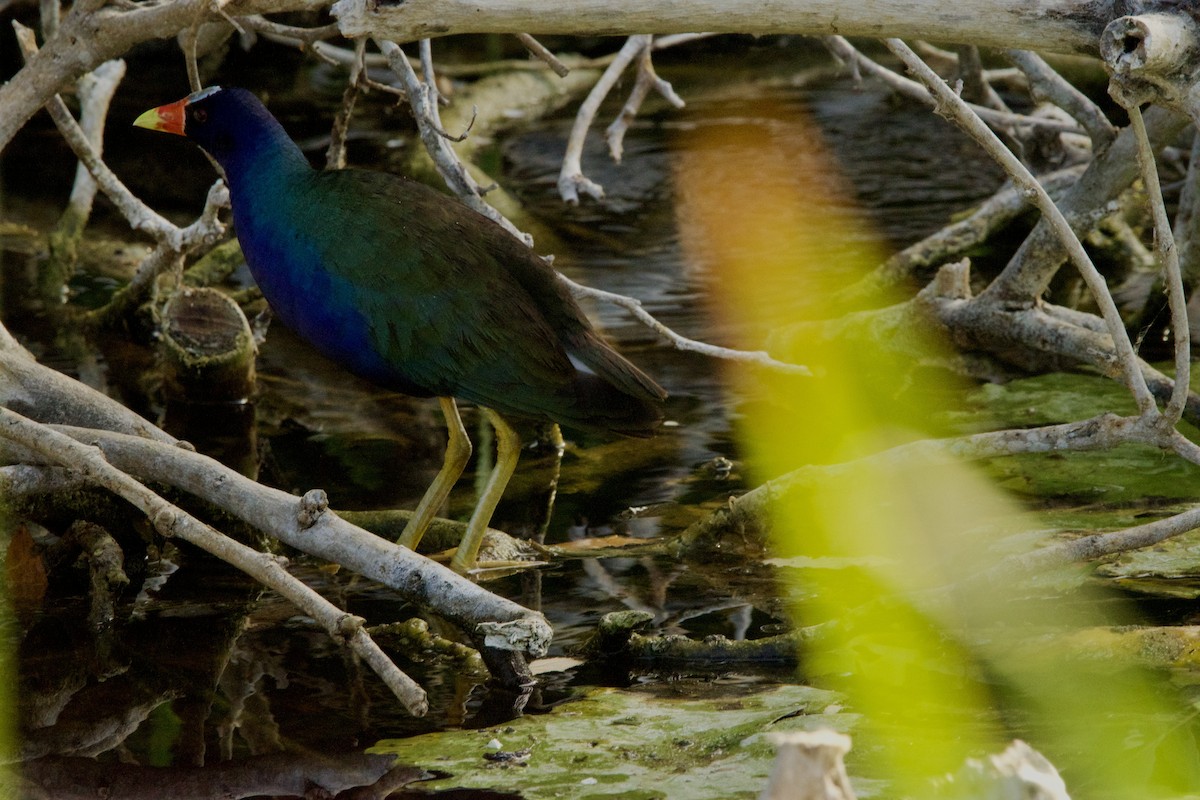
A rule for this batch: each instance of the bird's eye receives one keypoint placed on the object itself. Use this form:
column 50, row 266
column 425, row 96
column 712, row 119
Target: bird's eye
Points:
column 200, row 115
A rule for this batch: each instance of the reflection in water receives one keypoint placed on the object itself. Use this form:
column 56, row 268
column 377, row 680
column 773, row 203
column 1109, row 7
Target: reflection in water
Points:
column 283, row 774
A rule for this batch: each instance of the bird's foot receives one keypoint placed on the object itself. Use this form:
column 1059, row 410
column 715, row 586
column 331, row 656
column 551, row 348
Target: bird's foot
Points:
column 499, row 554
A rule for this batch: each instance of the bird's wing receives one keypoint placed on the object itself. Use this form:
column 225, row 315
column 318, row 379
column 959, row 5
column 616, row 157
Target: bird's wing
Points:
column 444, row 307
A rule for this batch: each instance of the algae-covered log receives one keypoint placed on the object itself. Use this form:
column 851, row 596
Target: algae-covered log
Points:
column 618, row 636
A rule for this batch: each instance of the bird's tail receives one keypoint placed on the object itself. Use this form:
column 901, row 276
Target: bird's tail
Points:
column 612, row 394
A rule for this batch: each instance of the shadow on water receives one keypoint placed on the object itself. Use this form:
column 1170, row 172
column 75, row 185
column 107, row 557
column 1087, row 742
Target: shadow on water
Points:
column 200, row 667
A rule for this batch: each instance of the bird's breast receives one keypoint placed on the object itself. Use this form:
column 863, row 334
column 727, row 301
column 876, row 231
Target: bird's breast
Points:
column 309, row 295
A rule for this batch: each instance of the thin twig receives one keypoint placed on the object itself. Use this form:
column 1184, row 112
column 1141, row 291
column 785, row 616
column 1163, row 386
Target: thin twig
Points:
column 429, row 74
column 335, row 155
column 676, row 39
column 1168, row 255
column 634, row 307
column 289, row 34
column 542, row 54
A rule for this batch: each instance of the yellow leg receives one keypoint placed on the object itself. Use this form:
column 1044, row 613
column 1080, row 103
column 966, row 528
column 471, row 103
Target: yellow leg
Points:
column 458, row 451
column 508, row 451
column 556, row 439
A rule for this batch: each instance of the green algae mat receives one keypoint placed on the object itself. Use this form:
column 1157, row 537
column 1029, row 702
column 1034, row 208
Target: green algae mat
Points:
column 706, row 741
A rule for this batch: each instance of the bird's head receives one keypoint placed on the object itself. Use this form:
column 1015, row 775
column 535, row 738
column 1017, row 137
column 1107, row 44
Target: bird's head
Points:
column 225, row 122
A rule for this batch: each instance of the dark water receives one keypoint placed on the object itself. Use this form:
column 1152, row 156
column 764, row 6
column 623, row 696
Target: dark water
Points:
column 200, row 665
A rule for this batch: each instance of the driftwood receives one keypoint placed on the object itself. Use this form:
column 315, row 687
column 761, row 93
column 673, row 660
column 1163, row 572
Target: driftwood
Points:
column 1061, row 26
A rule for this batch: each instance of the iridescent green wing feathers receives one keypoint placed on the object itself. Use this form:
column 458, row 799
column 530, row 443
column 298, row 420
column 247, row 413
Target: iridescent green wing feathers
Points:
column 461, row 308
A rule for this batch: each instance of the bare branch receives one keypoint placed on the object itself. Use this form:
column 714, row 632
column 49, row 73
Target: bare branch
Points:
column 288, row 34
column 849, row 54
column 425, row 49
column 335, row 156
column 953, row 240
column 325, row 535
column 1047, row 84
column 189, row 39
column 634, row 307
column 676, row 39
column 961, row 114
column 50, row 14
column 647, row 79
column 170, row 520
column 1094, row 196
column 571, row 180
column 1064, row 26
column 96, row 90
column 21, row 480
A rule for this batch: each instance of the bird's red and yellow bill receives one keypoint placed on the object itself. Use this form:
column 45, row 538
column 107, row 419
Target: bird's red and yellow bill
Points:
column 168, row 118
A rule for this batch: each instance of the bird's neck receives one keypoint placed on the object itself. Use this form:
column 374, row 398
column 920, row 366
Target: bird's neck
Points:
column 266, row 166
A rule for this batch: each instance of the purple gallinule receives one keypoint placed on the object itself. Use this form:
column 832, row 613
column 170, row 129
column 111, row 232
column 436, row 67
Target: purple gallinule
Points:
column 414, row 291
